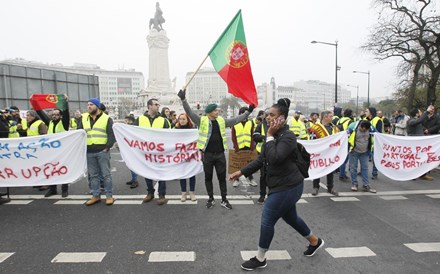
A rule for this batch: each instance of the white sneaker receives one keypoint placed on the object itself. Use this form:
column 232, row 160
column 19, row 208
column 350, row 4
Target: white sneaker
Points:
column 243, row 180
column 235, row 183
column 253, row 183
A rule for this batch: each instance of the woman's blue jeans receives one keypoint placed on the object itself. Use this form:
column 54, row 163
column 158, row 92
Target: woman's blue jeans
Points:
column 192, row 184
column 281, row 205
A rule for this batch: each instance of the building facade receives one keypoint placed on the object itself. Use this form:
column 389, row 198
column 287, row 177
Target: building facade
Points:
column 118, row 89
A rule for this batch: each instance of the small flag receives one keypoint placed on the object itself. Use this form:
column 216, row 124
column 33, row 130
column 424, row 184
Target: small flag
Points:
column 43, row 101
column 230, row 58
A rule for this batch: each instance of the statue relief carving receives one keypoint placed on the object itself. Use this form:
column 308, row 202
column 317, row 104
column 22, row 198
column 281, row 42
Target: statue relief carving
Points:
column 158, row 19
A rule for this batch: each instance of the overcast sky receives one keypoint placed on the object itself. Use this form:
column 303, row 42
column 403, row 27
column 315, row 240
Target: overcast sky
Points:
column 112, row 34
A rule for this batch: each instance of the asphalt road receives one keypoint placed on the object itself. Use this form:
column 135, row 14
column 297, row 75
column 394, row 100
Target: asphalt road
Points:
column 37, row 232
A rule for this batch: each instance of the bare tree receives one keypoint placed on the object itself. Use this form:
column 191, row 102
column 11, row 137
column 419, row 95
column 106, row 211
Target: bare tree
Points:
column 410, row 30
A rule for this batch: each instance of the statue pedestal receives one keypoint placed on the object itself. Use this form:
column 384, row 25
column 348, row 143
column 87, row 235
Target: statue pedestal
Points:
column 159, row 84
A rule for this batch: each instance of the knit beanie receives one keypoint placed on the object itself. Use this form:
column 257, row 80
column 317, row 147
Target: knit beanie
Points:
column 210, row 108
column 95, row 101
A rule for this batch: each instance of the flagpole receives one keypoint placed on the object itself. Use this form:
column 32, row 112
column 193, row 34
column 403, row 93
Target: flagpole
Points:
column 194, row 74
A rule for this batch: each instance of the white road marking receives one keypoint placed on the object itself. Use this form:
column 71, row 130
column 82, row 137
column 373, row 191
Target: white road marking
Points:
column 389, row 198
column 179, row 202
column 79, row 257
column 302, row 201
column 345, row 199
column 350, row 252
column 5, row 255
column 271, row 255
column 241, row 202
column 19, row 202
column 127, row 202
column 70, row 202
column 436, row 196
column 182, row 256
column 433, row 193
column 424, row 247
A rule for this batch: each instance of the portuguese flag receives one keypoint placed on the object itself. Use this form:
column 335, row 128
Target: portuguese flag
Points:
column 230, row 58
column 43, row 101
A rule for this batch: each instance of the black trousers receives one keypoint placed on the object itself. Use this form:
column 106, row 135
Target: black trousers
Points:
column 217, row 160
column 64, row 187
column 329, row 181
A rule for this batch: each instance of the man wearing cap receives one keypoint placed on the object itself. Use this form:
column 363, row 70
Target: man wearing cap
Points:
column 59, row 122
column 100, row 138
column 20, row 123
column 152, row 119
column 298, row 127
column 212, row 142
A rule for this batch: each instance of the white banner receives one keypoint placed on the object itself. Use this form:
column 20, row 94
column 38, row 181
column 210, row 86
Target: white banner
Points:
column 159, row 154
column 404, row 158
column 43, row 160
column 326, row 154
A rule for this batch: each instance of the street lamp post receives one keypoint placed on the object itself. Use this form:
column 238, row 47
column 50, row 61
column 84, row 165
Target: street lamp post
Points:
column 368, row 93
column 357, row 97
column 336, row 65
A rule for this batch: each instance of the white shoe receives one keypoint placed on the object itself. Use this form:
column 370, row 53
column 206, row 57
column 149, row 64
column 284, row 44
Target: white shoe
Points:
column 253, row 183
column 192, row 195
column 183, row 198
column 243, row 180
column 235, row 183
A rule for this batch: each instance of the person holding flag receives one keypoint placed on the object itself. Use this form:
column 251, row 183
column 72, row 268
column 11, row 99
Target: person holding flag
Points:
column 59, row 122
column 212, row 142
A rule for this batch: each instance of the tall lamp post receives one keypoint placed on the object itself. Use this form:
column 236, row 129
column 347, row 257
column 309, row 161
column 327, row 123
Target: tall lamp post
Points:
column 336, row 65
column 368, row 93
column 357, row 97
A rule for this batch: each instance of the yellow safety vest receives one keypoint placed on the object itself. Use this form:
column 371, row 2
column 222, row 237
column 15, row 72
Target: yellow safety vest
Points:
column 243, row 134
column 73, row 123
column 260, row 144
column 299, row 129
column 33, row 129
column 352, row 138
column 205, row 131
column 158, row 122
column 345, row 122
column 24, row 124
column 98, row 134
column 13, row 133
column 58, row 128
column 374, row 121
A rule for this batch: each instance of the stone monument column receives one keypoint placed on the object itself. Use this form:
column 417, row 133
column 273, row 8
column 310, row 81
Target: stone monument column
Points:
column 159, row 84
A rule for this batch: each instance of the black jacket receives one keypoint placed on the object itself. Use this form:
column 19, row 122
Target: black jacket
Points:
column 277, row 156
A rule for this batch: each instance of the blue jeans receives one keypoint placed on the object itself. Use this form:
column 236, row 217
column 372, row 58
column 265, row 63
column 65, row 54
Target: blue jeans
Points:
column 192, row 184
column 343, row 166
column 98, row 164
column 162, row 187
column 356, row 157
column 281, row 205
column 134, row 176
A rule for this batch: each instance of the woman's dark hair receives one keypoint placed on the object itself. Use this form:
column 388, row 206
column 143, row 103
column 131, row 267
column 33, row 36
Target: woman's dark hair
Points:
column 283, row 105
column 414, row 112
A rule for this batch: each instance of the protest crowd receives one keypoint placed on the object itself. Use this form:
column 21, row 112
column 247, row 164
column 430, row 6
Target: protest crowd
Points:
column 271, row 139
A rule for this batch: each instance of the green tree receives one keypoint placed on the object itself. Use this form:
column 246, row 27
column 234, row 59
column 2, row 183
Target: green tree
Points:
column 231, row 102
column 410, row 30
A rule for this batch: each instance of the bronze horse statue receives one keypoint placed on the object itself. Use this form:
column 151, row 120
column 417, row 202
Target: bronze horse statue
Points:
column 158, row 19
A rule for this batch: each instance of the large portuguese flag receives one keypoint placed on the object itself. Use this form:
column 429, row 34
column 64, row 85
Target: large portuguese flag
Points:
column 230, row 58
column 43, row 101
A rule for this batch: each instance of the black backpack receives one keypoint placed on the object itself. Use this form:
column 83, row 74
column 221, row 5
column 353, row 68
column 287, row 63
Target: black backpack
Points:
column 302, row 160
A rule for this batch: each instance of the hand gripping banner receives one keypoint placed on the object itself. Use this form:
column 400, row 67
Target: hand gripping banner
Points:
column 404, row 158
column 326, row 154
column 159, row 154
column 43, row 160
